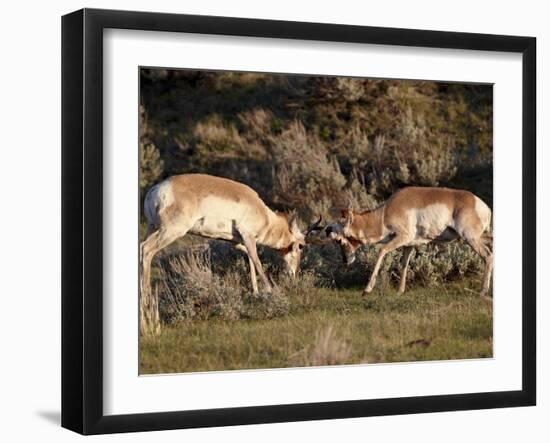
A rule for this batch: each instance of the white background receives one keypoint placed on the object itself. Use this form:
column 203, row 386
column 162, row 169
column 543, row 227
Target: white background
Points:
column 30, row 183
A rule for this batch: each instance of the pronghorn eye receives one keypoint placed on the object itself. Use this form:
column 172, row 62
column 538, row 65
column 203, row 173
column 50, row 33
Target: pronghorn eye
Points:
column 301, row 246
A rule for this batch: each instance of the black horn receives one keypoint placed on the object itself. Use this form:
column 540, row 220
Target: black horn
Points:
column 315, row 226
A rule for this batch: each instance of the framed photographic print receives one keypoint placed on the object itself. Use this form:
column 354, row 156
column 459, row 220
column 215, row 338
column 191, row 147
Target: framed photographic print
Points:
column 269, row 221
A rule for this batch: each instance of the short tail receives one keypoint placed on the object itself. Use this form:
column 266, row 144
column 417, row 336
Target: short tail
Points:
column 150, row 207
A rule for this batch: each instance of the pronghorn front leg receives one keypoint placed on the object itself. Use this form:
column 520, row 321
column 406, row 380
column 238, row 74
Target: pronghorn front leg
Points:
column 250, row 245
column 253, row 278
column 407, row 252
column 395, row 243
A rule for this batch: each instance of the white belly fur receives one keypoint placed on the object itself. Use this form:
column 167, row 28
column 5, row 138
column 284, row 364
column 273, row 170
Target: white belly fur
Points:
column 431, row 222
column 214, row 227
column 219, row 218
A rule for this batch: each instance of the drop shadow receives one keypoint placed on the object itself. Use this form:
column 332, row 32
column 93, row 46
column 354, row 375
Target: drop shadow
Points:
column 54, row 417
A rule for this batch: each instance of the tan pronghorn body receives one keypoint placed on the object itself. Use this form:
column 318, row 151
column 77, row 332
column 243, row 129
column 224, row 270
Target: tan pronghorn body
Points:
column 414, row 216
column 218, row 208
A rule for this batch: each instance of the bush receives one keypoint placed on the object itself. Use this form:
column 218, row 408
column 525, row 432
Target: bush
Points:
column 190, row 289
column 151, row 165
column 430, row 265
column 267, row 305
column 305, row 176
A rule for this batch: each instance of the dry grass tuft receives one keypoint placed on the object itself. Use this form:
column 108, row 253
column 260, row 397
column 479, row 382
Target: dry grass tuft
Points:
column 327, row 349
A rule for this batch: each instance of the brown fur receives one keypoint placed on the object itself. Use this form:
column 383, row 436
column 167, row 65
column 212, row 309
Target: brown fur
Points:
column 420, row 197
column 202, row 185
column 184, row 203
column 195, row 187
column 417, row 215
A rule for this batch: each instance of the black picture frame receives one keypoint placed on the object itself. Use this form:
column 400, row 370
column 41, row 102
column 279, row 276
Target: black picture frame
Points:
column 82, row 218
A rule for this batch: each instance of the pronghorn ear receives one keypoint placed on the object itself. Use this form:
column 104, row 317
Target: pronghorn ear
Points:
column 293, row 223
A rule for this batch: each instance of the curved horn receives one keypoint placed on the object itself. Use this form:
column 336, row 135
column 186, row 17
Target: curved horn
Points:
column 314, row 226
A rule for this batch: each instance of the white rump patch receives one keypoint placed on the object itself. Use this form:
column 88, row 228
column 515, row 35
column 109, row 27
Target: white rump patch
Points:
column 159, row 196
column 484, row 213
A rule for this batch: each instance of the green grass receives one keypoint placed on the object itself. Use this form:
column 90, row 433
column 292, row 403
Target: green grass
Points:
column 330, row 326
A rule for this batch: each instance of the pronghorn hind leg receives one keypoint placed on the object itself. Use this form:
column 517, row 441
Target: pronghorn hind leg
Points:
column 405, row 259
column 472, row 231
column 145, row 260
column 488, row 241
column 149, row 314
column 250, row 245
column 253, row 278
column 395, row 243
column 481, row 247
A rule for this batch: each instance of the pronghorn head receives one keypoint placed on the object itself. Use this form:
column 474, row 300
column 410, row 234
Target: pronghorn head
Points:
column 293, row 252
column 343, row 234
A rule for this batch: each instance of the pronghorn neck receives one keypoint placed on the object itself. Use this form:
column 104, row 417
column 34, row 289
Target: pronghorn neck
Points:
column 368, row 226
column 277, row 235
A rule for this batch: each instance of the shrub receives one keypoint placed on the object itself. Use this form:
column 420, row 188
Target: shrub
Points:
column 151, row 165
column 430, row 265
column 256, row 123
column 214, row 137
column 305, row 176
column 190, row 289
column 302, row 289
column 436, row 264
column 267, row 305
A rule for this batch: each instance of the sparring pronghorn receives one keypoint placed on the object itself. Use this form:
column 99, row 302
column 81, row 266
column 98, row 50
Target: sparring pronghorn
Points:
column 414, row 216
column 219, row 208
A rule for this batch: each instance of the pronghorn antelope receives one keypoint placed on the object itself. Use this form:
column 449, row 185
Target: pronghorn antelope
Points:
column 219, row 208
column 415, row 216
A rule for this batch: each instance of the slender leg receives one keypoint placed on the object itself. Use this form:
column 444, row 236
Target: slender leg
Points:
column 145, row 259
column 149, row 315
column 488, row 242
column 484, row 251
column 250, row 245
column 253, row 275
column 395, row 243
column 407, row 252
column 471, row 230
column 253, row 278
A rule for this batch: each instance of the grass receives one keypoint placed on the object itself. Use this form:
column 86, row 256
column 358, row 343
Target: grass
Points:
column 328, row 326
